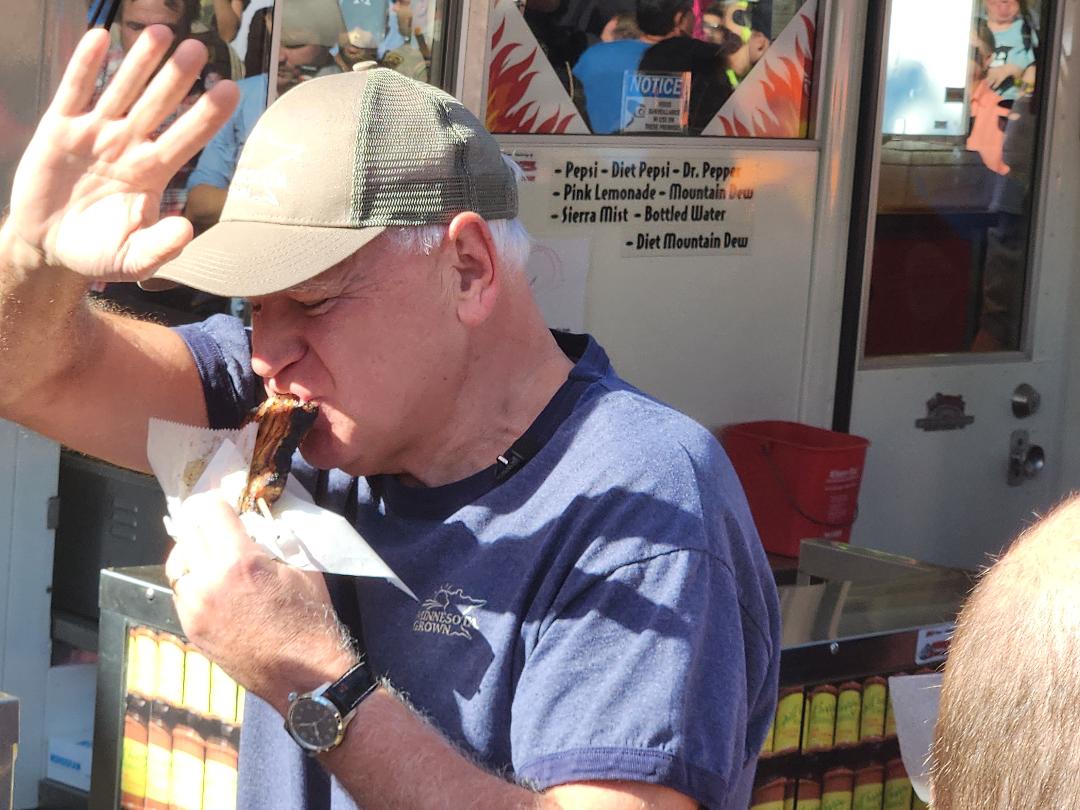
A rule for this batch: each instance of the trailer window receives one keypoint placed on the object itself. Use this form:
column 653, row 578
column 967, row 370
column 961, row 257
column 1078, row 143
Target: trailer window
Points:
column 960, row 133
column 724, row 68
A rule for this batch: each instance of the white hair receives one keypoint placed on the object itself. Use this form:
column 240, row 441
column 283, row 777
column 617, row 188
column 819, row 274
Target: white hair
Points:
column 512, row 242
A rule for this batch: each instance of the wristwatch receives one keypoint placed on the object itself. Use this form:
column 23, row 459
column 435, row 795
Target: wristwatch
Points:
column 317, row 719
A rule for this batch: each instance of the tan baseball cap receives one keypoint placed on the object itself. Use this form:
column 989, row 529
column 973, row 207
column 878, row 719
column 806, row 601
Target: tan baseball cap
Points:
column 328, row 167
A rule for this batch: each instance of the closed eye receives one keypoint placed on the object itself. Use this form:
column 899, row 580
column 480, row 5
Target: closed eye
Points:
column 317, row 307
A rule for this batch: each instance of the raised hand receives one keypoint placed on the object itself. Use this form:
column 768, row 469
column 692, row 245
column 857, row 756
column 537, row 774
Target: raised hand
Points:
column 87, row 190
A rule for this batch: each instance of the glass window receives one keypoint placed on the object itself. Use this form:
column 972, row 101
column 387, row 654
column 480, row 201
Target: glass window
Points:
column 657, row 67
column 960, row 126
column 317, row 38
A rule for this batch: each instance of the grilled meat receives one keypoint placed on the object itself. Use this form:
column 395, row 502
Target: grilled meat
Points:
column 283, row 422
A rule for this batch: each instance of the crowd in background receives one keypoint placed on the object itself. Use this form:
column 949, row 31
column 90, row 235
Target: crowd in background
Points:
column 318, row 37
column 594, row 46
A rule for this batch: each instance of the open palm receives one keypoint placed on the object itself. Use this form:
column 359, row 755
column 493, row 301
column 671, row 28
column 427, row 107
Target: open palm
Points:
column 87, row 190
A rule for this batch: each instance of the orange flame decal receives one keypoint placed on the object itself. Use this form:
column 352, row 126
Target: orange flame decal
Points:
column 508, row 84
column 787, row 96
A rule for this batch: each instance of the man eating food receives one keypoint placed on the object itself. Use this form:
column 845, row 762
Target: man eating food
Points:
column 597, row 625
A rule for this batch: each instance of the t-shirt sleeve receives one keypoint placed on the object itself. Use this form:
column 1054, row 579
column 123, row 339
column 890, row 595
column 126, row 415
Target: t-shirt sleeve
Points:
column 640, row 677
column 221, row 346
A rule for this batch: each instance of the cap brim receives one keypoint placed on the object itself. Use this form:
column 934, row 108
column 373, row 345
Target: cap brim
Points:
column 247, row 259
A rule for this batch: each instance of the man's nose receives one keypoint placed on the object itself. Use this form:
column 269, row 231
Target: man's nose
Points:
column 274, row 350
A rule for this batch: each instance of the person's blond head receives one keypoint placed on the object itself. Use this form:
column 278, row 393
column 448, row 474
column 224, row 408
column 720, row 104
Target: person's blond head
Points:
column 1008, row 729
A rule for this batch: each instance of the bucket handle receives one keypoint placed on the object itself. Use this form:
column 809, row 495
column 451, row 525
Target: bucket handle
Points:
column 766, row 451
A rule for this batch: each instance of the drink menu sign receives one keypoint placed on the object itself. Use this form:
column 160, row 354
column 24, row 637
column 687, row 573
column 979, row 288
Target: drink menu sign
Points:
column 659, row 206
column 691, row 262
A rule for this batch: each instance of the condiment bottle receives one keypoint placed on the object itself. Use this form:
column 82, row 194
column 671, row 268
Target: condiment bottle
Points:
column 869, row 787
column 142, row 662
column 159, row 760
column 196, row 680
column 789, row 717
column 848, row 710
column 219, row 783
column 222, row 695
column 188, row 764
column 837, row 787
column 170, row 687
column 897, row 786
column 872, row 726
column 822, row 717
column 133, row 755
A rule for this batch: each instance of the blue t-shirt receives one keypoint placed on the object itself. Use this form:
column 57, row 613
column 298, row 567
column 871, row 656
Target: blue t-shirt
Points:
column 601, row 70
column 217, row 162
column 1014, row 46
column 604, row 613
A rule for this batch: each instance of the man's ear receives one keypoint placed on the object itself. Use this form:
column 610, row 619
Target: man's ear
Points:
column 477, row 278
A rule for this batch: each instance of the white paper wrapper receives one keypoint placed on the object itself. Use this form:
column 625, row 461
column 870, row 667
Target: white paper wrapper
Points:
column 189, row 460
column 915, row 702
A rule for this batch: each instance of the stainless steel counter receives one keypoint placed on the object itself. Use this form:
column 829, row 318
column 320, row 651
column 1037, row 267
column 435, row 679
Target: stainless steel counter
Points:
column 860, row 611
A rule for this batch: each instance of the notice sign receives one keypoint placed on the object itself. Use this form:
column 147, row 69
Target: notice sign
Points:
column 664, row 207
column 656, row 102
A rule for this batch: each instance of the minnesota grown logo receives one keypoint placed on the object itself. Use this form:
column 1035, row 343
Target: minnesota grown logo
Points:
column 449, row 613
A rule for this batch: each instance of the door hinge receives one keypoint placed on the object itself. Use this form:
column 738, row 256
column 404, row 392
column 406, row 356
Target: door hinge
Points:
column 52, row 512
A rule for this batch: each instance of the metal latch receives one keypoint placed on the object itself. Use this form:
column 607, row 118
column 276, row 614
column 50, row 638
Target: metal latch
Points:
column 52, row 512
column 1026, row 460
column 1025, row 401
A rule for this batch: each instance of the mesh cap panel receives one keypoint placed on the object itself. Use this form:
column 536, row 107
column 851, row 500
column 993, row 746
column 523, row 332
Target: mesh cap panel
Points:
column 422, row 158
column 331, row 164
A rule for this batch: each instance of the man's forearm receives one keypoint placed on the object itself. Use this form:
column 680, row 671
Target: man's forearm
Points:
column 392, row 759
column 44, row 322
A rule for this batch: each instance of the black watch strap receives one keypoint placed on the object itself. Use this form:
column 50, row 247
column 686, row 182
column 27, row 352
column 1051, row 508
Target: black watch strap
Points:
column 350, row 689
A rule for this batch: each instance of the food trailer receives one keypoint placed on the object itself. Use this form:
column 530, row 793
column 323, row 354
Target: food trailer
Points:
column 841, row 241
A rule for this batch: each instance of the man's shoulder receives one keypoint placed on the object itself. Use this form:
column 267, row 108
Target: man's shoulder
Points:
column 636, row 464
column 628, row 418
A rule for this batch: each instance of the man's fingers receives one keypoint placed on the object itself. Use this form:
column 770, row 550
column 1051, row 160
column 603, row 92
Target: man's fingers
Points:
column 77, row 85
column 150, row 247
column 167, row 89
column 192, row 130
column 176, row 565
column 215, row 530
column 135, row 71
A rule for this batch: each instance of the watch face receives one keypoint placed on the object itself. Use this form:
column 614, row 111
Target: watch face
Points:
column 314, row 723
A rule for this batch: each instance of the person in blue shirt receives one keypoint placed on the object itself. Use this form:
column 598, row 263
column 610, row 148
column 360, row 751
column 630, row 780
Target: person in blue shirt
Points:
column 208, row 182
column 1015, row 43
column 602, row 71
column 596, row 626
column 1010, row 74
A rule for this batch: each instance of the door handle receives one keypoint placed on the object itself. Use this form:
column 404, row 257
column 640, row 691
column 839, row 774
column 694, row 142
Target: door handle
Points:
column 1026, row 460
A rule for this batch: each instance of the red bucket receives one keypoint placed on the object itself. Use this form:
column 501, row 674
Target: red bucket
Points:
column 800, row 481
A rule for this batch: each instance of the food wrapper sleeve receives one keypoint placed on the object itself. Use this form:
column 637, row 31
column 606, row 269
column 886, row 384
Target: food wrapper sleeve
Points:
column 188, row 460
